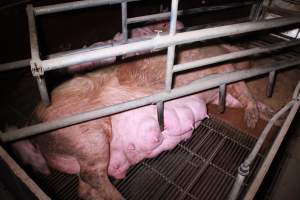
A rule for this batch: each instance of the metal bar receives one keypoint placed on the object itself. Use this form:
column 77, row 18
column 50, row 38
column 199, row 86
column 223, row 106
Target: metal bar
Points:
column 271, row 83
column 62, row 7
column 124, row 21
column 170, row 59
column 208, row 82
column 166, row 15
column 35, row 56
column 245, row 166
column 160, row 115
column 14, row 4
column 234, row 55
column 272, row 152
column 222, row 98
column 14, row 65
column 256, row 9
column 164, row 41
column 21, row 174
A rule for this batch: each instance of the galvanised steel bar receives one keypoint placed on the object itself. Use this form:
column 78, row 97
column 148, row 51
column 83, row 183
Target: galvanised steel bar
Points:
column 14, row 65
column 222, row 98
column 235, row 55
column 170, row 62
column 166, row 15
column 124, row 21
column 256, row 10
column 165, row 41
column 208, row 82
column 62, row 7
column 36, row 68
column 271, row 83
column 176, row 68
column 245, row 166
column 273, row 150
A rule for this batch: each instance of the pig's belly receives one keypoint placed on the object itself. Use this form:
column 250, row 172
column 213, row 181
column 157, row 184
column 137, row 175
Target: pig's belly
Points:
column 136, row 133
column 63, row 163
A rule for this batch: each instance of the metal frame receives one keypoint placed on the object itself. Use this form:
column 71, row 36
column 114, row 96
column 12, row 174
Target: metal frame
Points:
column 170, row 41
column 244, row 168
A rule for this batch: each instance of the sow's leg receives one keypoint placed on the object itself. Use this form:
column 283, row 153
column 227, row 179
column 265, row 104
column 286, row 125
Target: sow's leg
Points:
column 82, row 149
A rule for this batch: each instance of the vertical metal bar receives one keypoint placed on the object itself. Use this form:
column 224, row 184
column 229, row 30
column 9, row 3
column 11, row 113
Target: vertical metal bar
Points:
column 271, row 83
column 124, row 21
column 256, row 9
column 222, row 98
column 233, row 195
column 36, row 69
column 170, row 59
column 160, row 114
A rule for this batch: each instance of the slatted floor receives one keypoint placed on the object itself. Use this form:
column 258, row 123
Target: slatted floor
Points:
column 204, row 167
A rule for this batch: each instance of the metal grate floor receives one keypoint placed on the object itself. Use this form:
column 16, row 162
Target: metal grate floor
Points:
column 204, row 167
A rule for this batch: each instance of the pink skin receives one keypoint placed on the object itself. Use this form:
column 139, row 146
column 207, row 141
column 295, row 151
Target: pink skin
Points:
column 110, row 145
column 131, row 144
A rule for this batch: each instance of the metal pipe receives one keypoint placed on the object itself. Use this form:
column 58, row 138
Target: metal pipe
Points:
column 36, row 68
column 236, row 187
column 124, row 21
column 222, row 98
column 14, row 65
column 271, row 83
column 245, row 166
column 272, row 152
column 170, row 59
column 234, row 55
column 256, row 9
column 166, row 15
column 165, row 41
column 160, row 115
column 208, row 82
column 62, row 7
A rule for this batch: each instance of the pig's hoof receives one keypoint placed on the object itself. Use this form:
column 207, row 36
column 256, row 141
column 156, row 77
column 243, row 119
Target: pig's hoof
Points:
column 251, row 116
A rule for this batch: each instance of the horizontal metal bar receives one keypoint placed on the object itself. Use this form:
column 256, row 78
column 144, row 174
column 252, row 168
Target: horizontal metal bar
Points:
column 208, row 82
column 166, row 15
column 165, row 41
column 26, row 62
column 62, row 7
column 272, row 152
column 234, row 55
column 14, row 65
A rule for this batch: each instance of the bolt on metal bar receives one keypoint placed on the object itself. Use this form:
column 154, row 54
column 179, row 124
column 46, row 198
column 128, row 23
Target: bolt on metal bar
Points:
column 202, row 84
column 170, row 62
column 165, row 15
column 245, row 166
column 271, row 83
column 124, row 21
column 222, row 98
column 62, row 7
column 35, row 57
column 235, row 55
column 165, row 41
